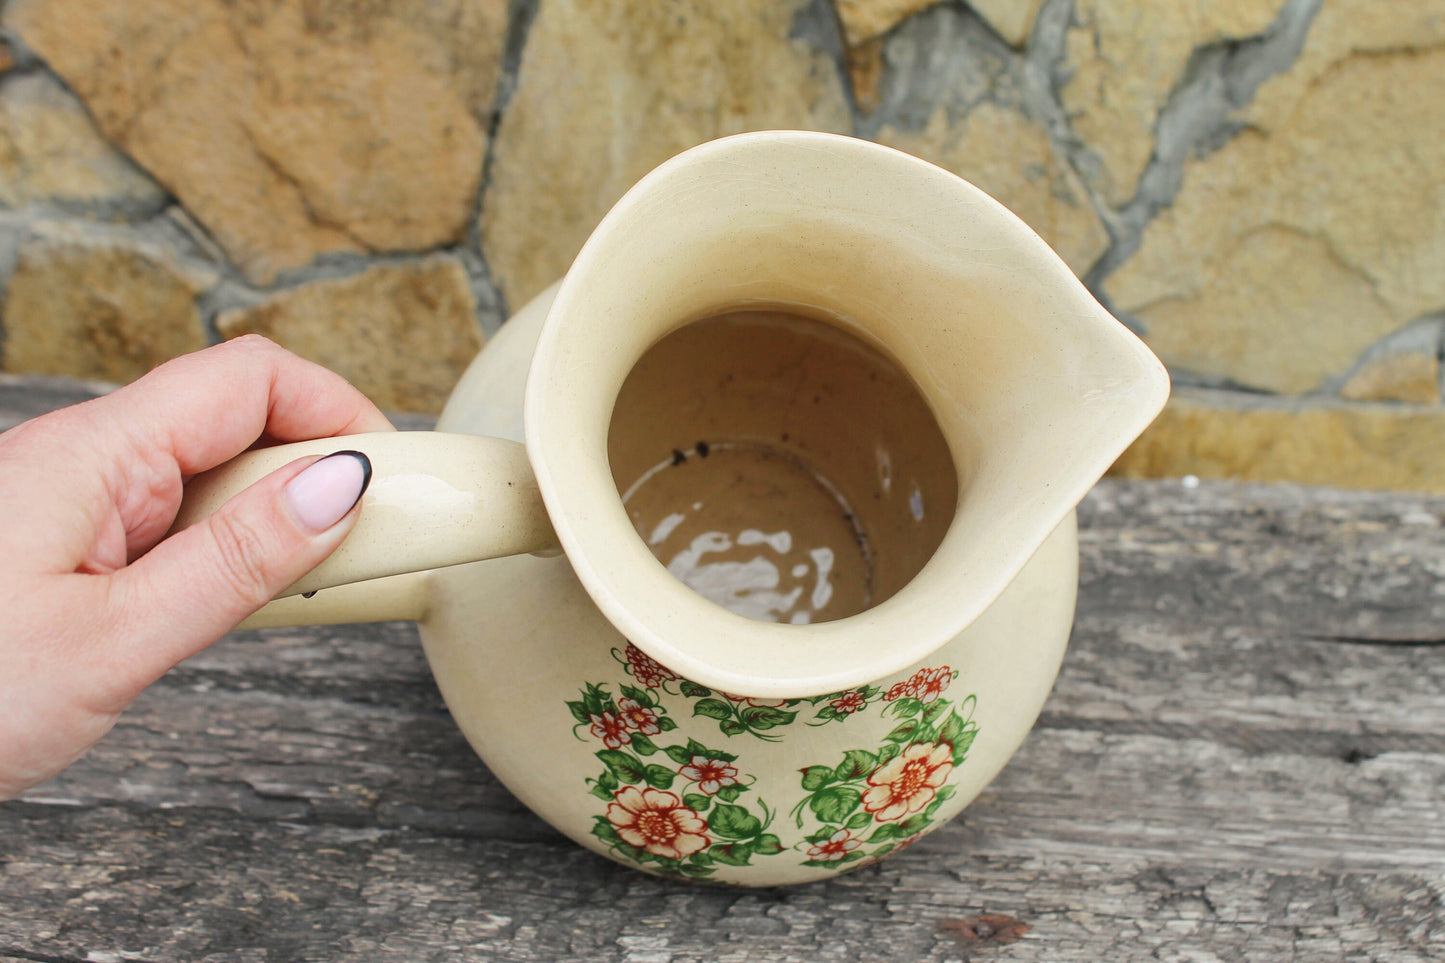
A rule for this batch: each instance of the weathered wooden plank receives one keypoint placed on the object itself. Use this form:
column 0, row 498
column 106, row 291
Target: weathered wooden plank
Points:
column 321, row 761
column 1242, row 760
column 203, row 885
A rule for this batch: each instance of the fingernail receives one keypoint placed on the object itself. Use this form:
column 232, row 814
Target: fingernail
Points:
column 321, row 495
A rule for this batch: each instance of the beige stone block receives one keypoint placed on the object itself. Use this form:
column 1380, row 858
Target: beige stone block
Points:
column 51, row 151
column 1216, row 434
column 1318, row 230
column 1013, row 19
column 609, row 89
column 101, row 309
column 402, row 333
column 1408, row 376
column 1009, row 156
column 290, row 129
column 863, row 20
column 1126, row 58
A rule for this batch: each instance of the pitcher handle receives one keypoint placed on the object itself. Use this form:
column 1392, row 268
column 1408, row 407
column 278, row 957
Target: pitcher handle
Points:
column 435, row 499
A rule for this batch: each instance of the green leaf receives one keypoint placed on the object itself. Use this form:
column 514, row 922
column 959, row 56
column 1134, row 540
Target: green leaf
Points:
column 829, row 714
column 679, row 754
column 733, row 854
column 700, row 859
column 907, row 706
column 641, row 696
column 766, row 717
column 733, row 822
column 767, row 845
column 888, row 752
column 642, row 745
column 832, row 805
column 858, row 821
column 885, row 832
column 822, row 835
column 903, row 733
column 596, row 700
column 694, row 872
column 659, row 777
column 856, row 764
column 935, row 709
column 666, row 724
column 883, row 850
column 623, row 765
column 713, row 709
column 731, row 793
column 579, row 712
column 913, row 824
column 944, row 794
column 732, row 728
column 606, row 786
column 696, row 801
column 694, row 691
column 605, row 831
column 816, row 777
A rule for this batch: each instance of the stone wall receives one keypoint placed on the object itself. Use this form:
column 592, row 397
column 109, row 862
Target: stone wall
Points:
column 1256, row 186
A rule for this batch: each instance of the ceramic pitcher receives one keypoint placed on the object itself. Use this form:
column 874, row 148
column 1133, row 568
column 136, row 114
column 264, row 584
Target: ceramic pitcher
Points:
column 747, row 552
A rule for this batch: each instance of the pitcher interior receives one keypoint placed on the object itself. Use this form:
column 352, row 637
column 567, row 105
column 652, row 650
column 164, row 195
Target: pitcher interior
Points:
column 780, row 466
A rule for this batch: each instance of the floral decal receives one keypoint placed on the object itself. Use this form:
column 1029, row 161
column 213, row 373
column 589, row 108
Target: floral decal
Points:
column 873, row 802
column 657, row 822
column 680, row 814
column 679, row 807
column 739, row 715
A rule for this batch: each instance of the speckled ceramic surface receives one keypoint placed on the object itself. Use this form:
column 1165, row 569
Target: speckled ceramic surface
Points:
column 809, row 418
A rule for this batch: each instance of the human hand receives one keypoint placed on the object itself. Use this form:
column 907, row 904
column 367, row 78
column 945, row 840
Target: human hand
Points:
column 95, row 602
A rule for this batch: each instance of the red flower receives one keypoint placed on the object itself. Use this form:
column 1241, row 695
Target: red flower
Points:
column 849, row 702
column 646, row 669
column 925, row 685
column 638, row 717
column 909, row 782
column 931, row 683
column 610, row 729
column 835, row 847
column 657, row 822
column 900, row 690
column 709, row 774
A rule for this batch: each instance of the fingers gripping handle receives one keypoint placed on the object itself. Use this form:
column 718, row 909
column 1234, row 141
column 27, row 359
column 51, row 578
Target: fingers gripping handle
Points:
column 435, row 499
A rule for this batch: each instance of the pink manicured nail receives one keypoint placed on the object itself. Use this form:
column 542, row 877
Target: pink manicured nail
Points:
column 322, row 494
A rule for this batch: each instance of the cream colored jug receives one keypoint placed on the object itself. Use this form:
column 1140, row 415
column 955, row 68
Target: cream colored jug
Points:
column 808, row 419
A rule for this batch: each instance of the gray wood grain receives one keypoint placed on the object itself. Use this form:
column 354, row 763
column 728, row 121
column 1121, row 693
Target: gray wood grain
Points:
column 1243, row 759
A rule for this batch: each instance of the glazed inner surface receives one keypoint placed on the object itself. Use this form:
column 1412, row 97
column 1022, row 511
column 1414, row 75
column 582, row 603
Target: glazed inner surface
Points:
column 781, row 467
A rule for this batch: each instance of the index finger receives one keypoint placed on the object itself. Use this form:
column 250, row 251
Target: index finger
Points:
column 205, row 408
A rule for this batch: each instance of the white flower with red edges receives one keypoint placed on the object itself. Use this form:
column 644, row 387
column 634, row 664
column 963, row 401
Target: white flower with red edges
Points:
column 611, row 729
column 849, row 702
column 834, row 848
column 657, row 822
column 908, row 783
column 709, row 774
column 638, row 717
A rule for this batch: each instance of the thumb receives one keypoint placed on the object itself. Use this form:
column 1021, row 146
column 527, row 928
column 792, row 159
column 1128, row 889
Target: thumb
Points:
column 199, row 583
